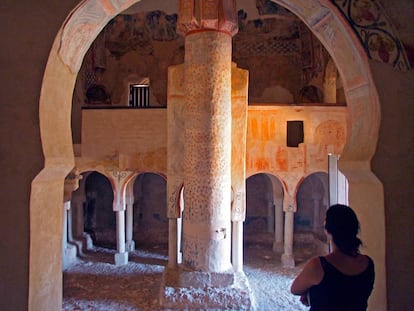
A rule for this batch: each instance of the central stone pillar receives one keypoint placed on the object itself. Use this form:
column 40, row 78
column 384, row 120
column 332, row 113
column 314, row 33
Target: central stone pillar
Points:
column 207, row 152
column 208, row 26
column 207, row 133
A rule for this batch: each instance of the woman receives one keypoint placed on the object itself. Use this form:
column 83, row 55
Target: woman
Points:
column 342, row 280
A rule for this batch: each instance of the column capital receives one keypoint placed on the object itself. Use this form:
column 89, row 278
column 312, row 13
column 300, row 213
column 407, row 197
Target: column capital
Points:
column 119, row 180
column 71, row 184
column 289, row 203
column 219, row 15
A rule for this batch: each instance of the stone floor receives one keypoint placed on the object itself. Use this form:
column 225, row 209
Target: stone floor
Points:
column 94, row 283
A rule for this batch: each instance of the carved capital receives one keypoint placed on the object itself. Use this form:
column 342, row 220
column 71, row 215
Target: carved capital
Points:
column 196, row 15
column 71, row 184
column 120, row 181
column 289, row 203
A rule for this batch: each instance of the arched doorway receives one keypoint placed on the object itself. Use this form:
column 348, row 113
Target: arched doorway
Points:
column 259, row 223
column 99, row 217
column 312, row 202
column 264, row 225
column 68, row 50
column 264, row 215
column 150, row 212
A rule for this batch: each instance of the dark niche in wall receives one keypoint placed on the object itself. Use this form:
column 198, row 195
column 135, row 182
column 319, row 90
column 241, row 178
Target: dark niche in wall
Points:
column 99, row 217
column 295, row 134
column 97, row 95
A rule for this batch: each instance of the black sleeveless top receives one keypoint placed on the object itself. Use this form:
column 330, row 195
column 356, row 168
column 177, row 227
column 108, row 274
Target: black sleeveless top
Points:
column 341, row 292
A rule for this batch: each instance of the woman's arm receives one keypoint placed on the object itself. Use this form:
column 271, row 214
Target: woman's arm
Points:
column 311, row 274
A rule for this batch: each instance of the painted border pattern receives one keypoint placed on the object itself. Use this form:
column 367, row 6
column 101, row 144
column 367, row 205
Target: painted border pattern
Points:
column 375, row 31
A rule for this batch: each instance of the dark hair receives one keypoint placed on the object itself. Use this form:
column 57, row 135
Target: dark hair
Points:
column 342, row 223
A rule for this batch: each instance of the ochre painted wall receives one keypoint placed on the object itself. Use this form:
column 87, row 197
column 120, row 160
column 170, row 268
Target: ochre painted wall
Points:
column 138, row 138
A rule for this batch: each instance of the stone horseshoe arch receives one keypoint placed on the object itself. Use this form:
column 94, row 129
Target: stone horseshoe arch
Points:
column 77, row 33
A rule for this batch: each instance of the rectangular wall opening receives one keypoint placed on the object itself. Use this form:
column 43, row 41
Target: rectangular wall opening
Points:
column 295, row 134
column 139, row 95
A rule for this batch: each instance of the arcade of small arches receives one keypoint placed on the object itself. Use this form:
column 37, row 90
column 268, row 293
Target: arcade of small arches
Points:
column 101, row 211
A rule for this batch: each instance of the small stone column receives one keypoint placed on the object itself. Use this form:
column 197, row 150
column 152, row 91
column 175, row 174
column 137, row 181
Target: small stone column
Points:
column 121, row 257
column 288, row 260
column 75, row 224
column 66, row 207
column 130, row 243
column 333, row 178
column 120, row 180
column 237, row 247
column 70, row 224
column 174, row 238
column 73, row 195
column 278, row 242
column 68, row 250
column 179, row 240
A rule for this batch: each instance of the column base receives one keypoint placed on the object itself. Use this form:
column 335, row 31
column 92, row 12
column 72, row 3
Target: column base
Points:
column 130, row 246
column 182, row 289
column 278, row 247
column 79, row 246
column 288, row 261
column 87, row 241
column 121, row 259
column 69, row 256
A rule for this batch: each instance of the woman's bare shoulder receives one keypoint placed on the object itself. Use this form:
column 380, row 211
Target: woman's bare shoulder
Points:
column 365, row 260
column 314, row 263
column 315, row 269
column 311, row 274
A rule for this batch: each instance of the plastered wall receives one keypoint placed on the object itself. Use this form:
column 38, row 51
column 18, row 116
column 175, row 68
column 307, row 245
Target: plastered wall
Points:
column 138, row 143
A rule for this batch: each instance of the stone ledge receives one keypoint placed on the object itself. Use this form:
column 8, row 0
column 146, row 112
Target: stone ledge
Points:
column 182, row 277
column 184, row 290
